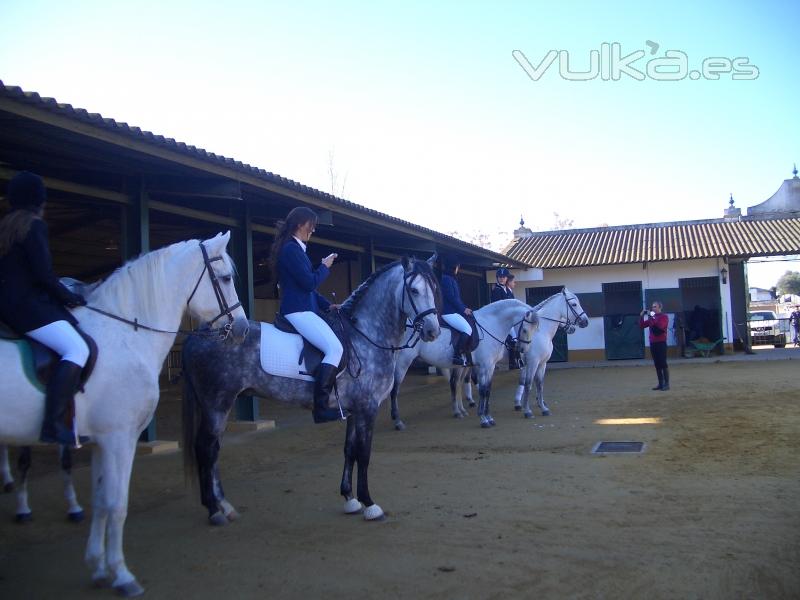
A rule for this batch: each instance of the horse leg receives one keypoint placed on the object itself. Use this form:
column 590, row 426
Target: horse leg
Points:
column 96, row 547
column 364, row 428
column 24, row 513
column 116, row 454
column 539, row 380
column 206, row 450
column 351, row 505
column 519, row 397
column 74, row 510
column 5, row 470
column 458, row 407
column 484, row 389
column 398, row 422
column 468, row 375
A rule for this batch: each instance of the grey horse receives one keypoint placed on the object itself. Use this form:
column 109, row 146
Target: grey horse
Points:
column 374, row 316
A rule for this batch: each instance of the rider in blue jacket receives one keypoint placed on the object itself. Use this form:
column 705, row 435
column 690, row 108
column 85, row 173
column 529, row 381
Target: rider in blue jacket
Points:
column 454, row 312
column 33, row 300
column 300, row 302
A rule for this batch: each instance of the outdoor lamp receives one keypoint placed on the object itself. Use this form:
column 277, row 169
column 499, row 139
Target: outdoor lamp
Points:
column 724, row 273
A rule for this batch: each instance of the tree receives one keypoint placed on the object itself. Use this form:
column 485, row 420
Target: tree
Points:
column 560, row 222
column 789, row 283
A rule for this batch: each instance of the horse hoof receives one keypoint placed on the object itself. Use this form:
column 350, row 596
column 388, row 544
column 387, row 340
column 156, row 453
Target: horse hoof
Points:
column 218, row 519
column 75, row 517
column 458, row 415
column 130, row 589
column 464, row 413
column 545, row 413
column 491, row 422
column 472, row 404
column 353, row 507
column 517, row 407
column 399, row 426
column 23, row 518
column 528, row 414
column 486, row 424
column 232, row 515
column 8, row 487
column 373, row 513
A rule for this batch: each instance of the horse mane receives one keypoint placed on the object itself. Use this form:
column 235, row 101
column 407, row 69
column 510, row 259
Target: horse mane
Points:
column 420, row 267
column 134, row 280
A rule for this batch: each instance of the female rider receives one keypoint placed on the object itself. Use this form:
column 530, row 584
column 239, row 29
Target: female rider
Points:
column 33, row 300
column 300, row 301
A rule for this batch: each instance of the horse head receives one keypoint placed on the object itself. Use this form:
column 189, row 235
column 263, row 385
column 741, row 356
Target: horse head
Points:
column 421, row 298
column 527, row 327
column 214, row 300
column 575, row 314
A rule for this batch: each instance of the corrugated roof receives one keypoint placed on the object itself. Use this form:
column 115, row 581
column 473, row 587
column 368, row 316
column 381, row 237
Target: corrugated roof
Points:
column 658, row 242
column 95, row 119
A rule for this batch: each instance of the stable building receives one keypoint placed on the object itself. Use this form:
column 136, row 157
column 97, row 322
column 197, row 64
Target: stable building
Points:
column 697, row 269
column 116, row 191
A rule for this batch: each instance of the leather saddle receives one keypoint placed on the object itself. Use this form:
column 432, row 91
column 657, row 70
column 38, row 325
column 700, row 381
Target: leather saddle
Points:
column 310, row 353
column 461, row 342
column 41, row 360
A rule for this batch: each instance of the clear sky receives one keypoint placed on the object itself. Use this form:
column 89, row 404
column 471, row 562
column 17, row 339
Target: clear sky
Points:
column 424, row 113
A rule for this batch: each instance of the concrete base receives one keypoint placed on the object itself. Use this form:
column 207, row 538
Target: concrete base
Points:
column 245, row 426
column 157, row 447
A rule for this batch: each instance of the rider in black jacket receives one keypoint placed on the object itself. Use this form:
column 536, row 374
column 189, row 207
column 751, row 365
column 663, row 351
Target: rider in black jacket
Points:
column 33, row 301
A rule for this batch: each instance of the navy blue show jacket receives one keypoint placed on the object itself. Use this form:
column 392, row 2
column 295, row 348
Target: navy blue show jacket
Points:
column 299, row 281
column 31, row 296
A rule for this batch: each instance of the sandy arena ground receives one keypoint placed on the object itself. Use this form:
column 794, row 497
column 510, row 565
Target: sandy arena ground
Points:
column 710, row 510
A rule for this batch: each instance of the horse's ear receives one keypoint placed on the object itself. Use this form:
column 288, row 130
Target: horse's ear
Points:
column 432, row 260
column 218, row 243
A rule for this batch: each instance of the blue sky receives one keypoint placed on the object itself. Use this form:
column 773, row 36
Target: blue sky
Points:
column 423, row 109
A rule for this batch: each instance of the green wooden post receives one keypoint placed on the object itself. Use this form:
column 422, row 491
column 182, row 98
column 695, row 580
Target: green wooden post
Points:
column 246, row 406
column 135, row 241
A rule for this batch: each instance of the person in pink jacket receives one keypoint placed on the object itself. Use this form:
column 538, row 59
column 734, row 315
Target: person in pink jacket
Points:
column 658, row 323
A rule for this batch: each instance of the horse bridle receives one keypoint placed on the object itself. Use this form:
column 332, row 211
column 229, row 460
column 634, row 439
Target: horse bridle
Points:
column 223, row 305
column 517, row 325
column 224, row 309
column 566, row 324
column 416, row 322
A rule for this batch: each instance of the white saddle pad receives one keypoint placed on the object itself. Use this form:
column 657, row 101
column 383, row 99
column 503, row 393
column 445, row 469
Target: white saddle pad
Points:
column 280, row 353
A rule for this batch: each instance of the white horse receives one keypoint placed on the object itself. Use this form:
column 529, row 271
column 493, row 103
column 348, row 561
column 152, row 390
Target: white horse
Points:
column 24, row 513
column 561, row 310
column 494, row 322
column 141, row 306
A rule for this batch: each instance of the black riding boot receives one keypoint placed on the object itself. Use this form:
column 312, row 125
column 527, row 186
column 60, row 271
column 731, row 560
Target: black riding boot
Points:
column 60, row 391
column 323, row 384
column 660, row 373
column 665, row 387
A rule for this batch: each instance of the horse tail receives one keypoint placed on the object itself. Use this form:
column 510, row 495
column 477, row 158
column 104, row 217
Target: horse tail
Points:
column 189, row 428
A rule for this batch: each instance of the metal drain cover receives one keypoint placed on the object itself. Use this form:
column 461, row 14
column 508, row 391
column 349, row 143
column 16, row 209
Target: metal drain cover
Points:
column 618, row 448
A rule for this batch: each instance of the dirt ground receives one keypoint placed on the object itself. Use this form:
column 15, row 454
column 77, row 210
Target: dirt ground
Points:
column 710, row 510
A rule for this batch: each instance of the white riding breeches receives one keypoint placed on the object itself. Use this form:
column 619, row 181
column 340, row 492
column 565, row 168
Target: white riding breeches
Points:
column 62, row 338
column 456, row 321
column 311, row 326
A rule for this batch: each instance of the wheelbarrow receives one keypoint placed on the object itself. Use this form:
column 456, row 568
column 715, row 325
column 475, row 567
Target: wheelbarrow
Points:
column 705, row 348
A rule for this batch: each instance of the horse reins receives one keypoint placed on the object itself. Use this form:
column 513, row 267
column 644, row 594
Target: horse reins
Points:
column 565, row 324
column 416, row 323
column 223, row 331
column 517, row 324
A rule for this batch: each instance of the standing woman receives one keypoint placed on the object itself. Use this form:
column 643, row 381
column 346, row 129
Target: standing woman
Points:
column 300, row 301
column 33, row 300
column 454, row 311
column 658, row 323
